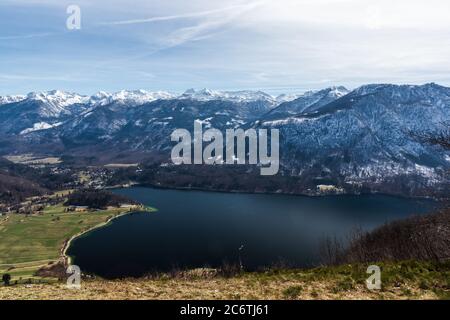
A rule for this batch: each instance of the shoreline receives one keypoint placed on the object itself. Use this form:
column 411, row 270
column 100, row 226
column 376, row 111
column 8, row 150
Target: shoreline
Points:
column 144, row 185
column 66, row 259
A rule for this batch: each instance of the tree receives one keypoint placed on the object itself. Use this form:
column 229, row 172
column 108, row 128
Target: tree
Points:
column 439, row 137
column 6, row 279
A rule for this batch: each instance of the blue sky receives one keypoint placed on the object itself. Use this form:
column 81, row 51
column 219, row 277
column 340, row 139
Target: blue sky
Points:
column 273, row 45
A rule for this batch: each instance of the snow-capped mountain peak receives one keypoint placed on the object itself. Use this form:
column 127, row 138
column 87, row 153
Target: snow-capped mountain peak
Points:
column 310, row 101
column 129, row 97
column 332, row 92
column 339, row 91
column 56, row 102
column 58, row 98
column 233, row 96
column 11, row 99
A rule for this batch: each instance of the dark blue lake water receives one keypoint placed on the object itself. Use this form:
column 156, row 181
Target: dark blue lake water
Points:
column 196, row 229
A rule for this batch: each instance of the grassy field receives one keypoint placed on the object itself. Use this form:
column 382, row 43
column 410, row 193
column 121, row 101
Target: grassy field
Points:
column 30, row 242
column 406, row 280
column 29, row 159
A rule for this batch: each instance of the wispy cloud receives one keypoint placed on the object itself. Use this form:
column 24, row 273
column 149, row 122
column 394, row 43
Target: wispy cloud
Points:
column 27, row 36
column 211, row 22
column 184, row 16
column 4, row 76
column 207, row 27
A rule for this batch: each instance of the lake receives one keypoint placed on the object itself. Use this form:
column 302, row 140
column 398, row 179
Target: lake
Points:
column 197, row 229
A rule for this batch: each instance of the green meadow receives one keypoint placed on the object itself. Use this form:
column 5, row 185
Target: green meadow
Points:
column 28, row 242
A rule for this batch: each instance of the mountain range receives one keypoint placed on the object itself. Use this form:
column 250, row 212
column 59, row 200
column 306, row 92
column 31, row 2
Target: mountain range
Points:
column 331, row 136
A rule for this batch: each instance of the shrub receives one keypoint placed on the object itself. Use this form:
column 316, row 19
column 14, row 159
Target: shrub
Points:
column 292, row 292
column 6, row 278
column 423, row 238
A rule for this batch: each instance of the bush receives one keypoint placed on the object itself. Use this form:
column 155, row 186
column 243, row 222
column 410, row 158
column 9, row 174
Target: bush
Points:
column 292, row 292
column 6, row 279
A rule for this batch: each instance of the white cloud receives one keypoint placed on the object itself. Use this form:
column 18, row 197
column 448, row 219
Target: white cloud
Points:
column 430, row 14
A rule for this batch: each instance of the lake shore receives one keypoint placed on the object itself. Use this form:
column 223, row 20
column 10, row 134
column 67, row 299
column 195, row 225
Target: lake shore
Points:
column 67, row 259
column 308, row 195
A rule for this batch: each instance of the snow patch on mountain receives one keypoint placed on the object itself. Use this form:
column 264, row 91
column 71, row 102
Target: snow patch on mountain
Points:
column 291, row 120
column 382, row 170
column 40, row 126
column 288, row 97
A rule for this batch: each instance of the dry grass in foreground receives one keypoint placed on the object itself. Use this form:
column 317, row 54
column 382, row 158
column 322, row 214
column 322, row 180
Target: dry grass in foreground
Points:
column 407, row 280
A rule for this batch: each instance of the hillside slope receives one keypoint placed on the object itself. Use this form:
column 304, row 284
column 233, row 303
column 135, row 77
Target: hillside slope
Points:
column 408, row 280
